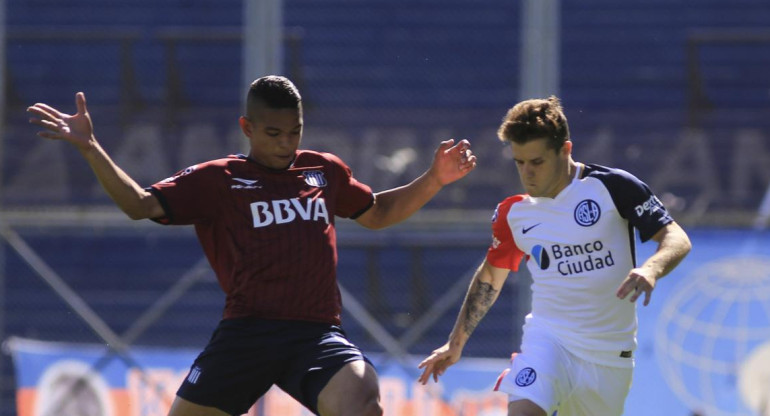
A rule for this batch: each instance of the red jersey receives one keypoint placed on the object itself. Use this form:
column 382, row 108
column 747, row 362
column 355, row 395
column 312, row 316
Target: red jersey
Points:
column 269, row 234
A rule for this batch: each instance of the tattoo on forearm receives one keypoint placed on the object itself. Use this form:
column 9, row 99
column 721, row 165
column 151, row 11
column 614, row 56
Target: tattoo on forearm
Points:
column 480, row 299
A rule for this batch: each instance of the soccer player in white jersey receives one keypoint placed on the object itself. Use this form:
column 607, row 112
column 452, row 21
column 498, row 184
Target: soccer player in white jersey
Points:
column 575, row 229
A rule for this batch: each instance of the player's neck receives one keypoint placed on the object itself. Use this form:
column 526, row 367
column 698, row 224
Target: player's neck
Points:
column 573, row 168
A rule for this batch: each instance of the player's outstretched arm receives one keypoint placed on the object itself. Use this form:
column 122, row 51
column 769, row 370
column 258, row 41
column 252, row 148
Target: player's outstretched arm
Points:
column 673, row 246
column 77, row 129
column 482, row 293
column 450, row 163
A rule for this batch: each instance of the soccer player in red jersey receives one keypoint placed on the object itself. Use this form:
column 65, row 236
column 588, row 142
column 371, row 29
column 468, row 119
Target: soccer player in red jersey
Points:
column 266, row 224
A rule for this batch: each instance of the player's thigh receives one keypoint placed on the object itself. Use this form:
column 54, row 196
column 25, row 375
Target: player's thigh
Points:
column 538, row 376
column 524, row 407
column 241, row 361
column 600, row 390
column 353, row 390
column 182, row 407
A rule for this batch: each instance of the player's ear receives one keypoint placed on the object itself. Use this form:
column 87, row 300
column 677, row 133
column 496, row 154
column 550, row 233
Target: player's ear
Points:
column 566, row 148
column 246, row 127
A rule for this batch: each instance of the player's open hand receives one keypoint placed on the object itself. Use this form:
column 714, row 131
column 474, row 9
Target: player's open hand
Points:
column 437, row 363
column 453, row 161
column 74, row 128
column 637, row 282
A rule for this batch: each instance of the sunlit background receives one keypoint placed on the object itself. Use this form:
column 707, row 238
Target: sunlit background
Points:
column 677, row 92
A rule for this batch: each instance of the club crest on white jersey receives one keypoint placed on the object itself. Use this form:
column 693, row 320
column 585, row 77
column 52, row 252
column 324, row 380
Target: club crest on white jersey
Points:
column 587, row 212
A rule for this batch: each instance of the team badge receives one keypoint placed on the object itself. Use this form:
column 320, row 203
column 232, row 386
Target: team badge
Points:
column 314, row 178
column 587, row 213
column 526, row 377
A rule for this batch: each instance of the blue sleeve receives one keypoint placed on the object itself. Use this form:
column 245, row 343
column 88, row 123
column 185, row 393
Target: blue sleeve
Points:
column 634, row 200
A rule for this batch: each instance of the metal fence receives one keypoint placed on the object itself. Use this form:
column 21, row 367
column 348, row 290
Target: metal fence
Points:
column 684, row 109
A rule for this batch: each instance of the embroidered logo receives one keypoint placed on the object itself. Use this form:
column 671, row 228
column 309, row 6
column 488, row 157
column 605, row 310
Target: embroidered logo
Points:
column 314, row 178
column 526, row 377
column 525, row 230
column 245, row 184
column 194, row 375
column 587, row 213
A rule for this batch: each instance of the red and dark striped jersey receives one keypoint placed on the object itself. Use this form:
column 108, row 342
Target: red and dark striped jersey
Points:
column 269, row 234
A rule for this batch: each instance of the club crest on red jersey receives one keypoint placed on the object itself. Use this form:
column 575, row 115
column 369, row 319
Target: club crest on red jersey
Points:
column 314, row 178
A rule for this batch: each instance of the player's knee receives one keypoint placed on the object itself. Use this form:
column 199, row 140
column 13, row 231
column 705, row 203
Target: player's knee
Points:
column 371, row 407
column 524, row 413
column 367, row 407
column 364, row 402
column 524, row 408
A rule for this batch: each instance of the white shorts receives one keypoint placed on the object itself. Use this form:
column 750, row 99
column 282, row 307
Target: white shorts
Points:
column 558, row 381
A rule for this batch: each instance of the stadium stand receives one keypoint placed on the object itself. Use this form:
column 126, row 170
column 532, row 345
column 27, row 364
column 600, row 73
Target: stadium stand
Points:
column 429, row 66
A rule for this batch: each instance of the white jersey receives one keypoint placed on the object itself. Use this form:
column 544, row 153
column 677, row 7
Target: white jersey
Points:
column 579, row 247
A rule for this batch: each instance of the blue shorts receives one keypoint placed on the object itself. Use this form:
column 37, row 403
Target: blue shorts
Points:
column 246, row 356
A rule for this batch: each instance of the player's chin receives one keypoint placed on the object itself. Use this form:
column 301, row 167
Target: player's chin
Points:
column 282, row 162
column 532, row 191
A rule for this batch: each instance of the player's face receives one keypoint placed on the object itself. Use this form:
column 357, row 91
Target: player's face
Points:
column 543, row 171
column 274, row 135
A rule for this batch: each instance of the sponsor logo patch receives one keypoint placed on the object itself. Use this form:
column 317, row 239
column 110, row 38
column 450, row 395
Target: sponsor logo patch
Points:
column 540, row 255
column 651, row 205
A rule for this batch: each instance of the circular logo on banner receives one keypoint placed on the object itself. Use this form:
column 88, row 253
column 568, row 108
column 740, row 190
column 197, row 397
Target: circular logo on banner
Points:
column 587, row 212
column 715, row 326
column 526, row 377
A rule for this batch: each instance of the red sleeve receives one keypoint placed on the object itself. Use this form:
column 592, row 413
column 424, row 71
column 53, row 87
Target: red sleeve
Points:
column 503, row 252
column 190, row 196
column 354, row 197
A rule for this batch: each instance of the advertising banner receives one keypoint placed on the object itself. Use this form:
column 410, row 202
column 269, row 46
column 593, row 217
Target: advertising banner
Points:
column 703, row 348
column 56, row 378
